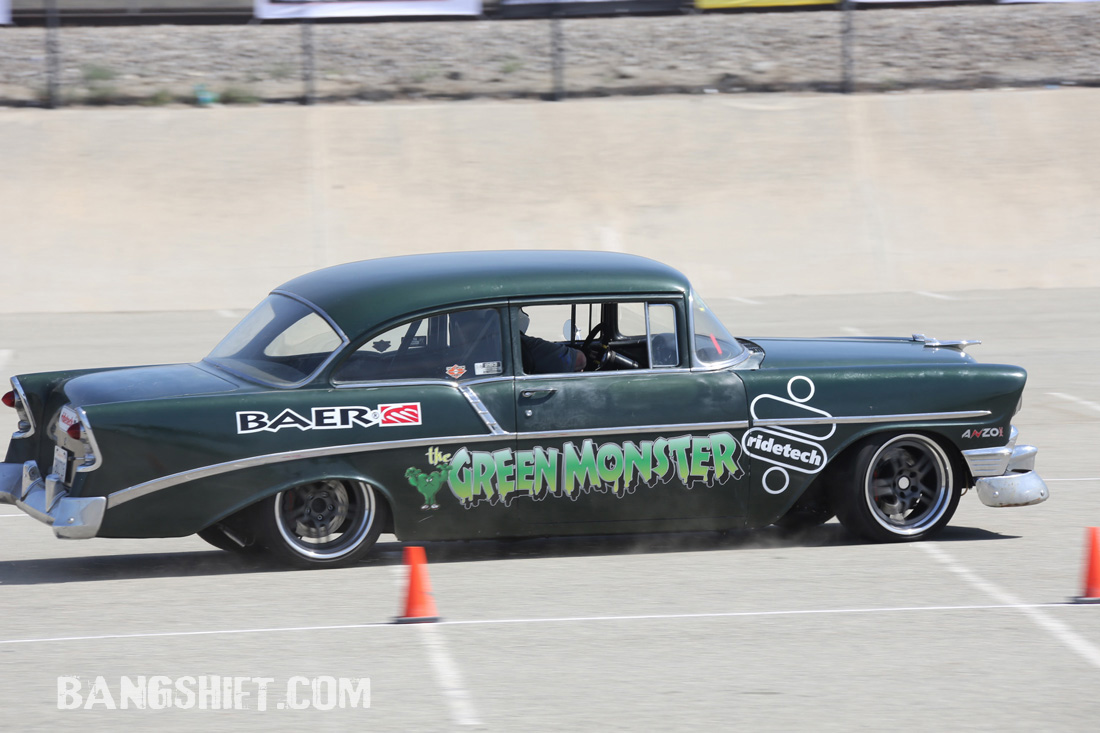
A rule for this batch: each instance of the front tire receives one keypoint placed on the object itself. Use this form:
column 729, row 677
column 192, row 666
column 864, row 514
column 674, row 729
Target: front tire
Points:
column 328, row 523
column 896, row 488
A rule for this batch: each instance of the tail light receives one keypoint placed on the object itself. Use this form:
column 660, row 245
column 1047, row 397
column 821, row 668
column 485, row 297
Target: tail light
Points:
column 75, row 431
column 15, row 398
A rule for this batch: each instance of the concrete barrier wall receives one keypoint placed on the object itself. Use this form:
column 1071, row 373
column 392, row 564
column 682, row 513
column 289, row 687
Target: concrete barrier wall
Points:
column 168, row 209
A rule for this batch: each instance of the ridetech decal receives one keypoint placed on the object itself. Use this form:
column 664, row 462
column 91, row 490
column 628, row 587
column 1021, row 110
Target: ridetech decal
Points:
column 500, row 476
column 330, row 418
column 785, row 448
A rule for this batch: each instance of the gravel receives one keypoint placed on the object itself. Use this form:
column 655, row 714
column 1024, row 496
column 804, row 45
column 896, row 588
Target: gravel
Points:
column 973, row 46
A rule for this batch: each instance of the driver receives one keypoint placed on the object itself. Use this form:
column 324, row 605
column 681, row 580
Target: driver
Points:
column 546, row 357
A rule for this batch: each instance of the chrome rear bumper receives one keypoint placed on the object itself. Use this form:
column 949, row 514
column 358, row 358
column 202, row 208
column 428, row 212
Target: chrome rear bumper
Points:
column 47, row 501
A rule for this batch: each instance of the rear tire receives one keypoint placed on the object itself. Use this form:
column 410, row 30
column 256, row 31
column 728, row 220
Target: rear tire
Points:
column 328, row 523
column 896, row 488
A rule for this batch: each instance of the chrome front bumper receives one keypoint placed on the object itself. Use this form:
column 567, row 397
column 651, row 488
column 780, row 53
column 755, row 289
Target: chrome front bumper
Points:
column 1006, row 476
column 47, row 501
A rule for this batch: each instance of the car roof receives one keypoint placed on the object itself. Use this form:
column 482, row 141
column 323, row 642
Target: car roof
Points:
column 361, row 295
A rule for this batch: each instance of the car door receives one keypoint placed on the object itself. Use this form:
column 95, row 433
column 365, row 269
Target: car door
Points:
column 447, row 375
column 653, row 445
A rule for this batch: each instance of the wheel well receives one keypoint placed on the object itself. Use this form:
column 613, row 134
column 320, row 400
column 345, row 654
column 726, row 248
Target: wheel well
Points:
column 960, row 472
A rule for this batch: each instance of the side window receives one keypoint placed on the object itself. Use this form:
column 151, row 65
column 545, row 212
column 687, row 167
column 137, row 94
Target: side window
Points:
column 636, row 335
column 631, row 320
column 663, row 345
column 458, row 345
column 551, row 335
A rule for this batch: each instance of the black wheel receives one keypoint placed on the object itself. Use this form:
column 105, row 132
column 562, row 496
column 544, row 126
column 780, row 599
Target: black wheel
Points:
column 329, row 523
column 896, row 489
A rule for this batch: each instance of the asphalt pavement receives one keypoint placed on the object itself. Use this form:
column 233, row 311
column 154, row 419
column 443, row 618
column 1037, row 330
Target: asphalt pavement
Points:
column 753, row 631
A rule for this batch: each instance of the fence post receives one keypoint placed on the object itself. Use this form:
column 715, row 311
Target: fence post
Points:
column 307, row 61
column 847, row 81
column 557, row 51
column 53, row 55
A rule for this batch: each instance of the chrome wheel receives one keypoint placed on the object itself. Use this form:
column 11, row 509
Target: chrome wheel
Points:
column 895, row 488
column 908, row 484
column 327, row 522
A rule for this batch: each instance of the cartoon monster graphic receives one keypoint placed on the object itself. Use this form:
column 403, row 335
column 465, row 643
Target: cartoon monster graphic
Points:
column 428, row 484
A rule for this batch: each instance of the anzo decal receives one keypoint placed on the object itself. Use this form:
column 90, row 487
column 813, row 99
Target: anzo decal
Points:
column 984, row 433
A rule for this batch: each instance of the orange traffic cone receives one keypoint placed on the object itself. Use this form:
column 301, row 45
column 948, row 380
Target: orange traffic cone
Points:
column 1091, row 594
column 419, row 604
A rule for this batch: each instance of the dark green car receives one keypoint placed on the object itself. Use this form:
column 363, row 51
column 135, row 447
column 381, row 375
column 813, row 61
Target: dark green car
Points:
column 512, row 394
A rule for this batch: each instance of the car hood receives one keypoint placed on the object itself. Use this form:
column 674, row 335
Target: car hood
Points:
column 145, row 383
column 852, row 352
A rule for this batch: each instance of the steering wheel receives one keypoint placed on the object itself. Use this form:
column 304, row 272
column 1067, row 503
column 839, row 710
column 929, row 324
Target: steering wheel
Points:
column 604, row 355
column 597, row 329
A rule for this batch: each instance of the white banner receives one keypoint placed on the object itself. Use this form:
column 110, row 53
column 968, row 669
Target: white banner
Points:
column 287, row 9
column 5, row 12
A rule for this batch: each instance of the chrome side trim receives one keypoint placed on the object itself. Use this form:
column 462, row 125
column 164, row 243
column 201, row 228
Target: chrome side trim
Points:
column 139, row 490
column 23, row 411
column 611, row 373
column 149, row 487
column 427, row 382
column 481, row 410
column 678, row 428
column 858, row 419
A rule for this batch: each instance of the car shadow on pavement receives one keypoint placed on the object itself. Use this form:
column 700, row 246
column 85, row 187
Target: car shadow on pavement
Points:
column 183, row 564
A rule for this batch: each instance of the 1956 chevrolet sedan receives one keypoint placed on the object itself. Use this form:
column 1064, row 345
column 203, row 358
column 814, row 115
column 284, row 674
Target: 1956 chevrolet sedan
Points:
column 511, row 394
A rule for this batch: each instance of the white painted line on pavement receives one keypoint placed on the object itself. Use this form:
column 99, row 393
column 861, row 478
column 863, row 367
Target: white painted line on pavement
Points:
column 937, row 296
column 447, row 676
column 558, row 620
column 1076, row 400
column 5, row 516
column 5, row 356
column 1060, row 631
column 746, row 301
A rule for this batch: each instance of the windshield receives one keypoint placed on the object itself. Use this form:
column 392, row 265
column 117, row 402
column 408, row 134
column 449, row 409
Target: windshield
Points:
column 713, row 343
column 281, row 342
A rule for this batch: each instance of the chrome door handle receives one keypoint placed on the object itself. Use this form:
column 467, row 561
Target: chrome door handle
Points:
column 532, row 392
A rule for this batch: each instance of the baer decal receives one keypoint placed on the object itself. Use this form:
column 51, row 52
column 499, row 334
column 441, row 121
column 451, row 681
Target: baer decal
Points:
column 330, row 418
column 500, row 476
column 786, row 448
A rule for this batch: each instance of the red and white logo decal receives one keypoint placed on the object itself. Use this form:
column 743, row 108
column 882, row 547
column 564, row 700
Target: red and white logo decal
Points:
column 406, row 413
column 456, row 370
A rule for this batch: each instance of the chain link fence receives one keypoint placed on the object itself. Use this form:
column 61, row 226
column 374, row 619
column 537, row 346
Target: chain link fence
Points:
column 830, row 50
